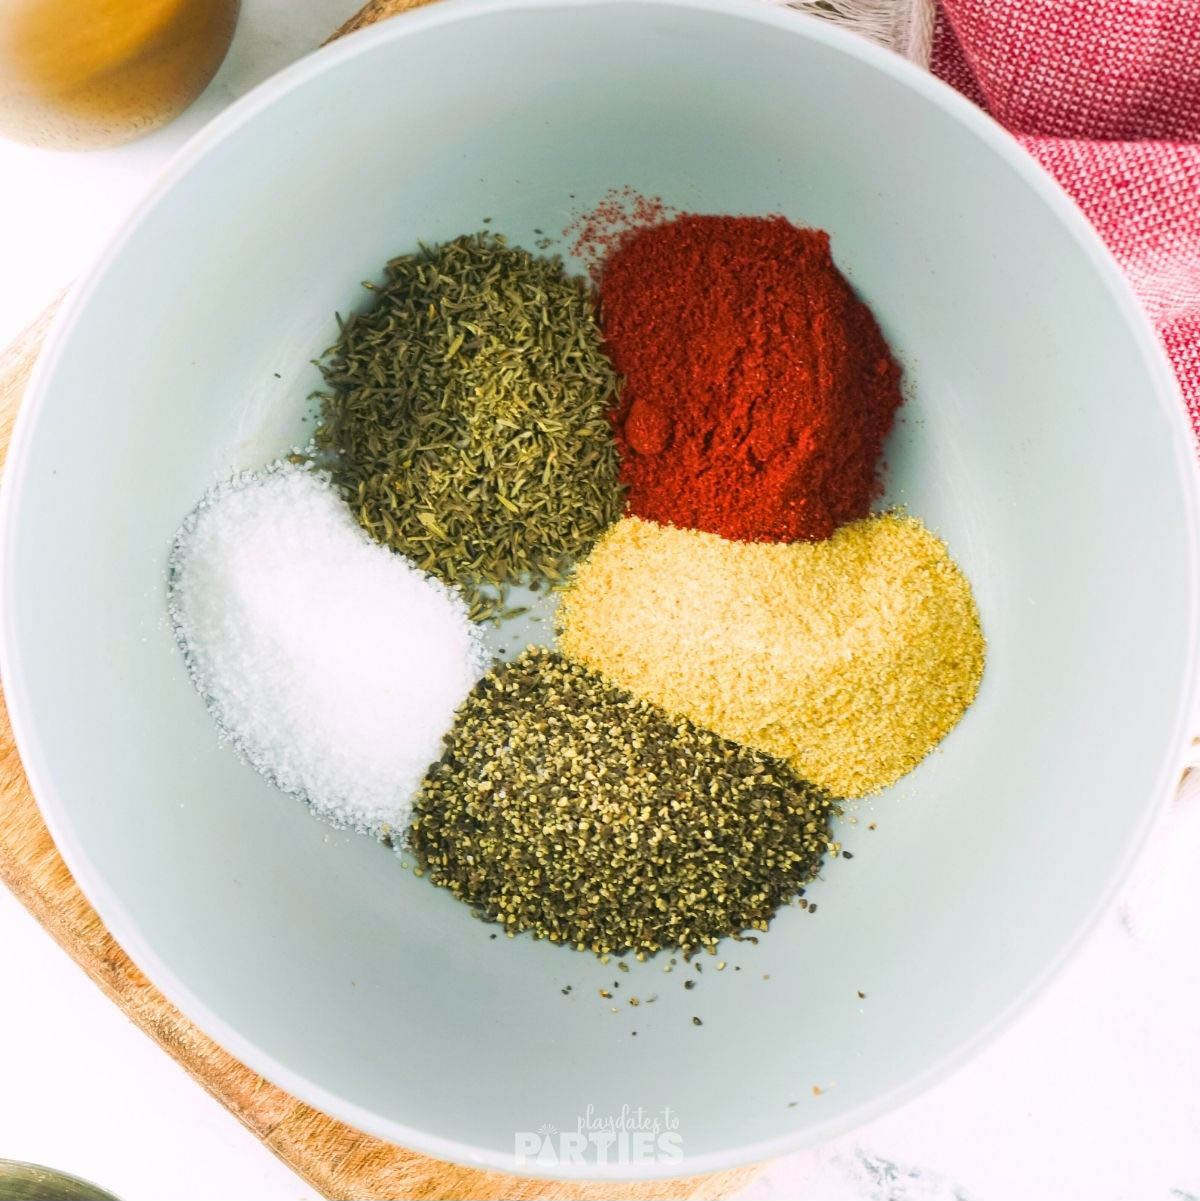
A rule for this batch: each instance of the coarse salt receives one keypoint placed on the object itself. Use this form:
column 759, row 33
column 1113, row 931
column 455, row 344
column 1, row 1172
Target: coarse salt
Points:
column 331, row 663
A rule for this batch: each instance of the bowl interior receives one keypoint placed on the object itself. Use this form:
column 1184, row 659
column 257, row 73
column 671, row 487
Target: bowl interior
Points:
column 1038, row 440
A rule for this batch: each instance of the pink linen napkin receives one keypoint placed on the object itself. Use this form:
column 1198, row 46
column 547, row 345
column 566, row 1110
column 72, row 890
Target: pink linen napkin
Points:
column 1105, row 94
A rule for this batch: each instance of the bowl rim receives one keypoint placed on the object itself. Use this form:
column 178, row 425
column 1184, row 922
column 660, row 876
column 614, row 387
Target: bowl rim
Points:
column 35, row 757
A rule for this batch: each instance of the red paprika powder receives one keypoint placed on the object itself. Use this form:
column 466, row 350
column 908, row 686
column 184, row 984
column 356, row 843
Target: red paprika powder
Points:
column 758, row 388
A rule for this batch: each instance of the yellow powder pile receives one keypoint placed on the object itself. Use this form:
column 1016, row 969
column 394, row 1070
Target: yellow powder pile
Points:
column 852, row 658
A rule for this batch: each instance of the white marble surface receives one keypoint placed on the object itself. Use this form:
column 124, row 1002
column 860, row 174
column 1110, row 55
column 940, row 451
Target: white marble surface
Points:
column 1094, row 1095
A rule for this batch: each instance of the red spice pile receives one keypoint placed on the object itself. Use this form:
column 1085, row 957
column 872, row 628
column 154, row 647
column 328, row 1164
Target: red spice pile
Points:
column 758, row 388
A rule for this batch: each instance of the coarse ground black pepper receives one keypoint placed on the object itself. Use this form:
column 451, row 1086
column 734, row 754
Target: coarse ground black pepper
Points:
column 569, row 808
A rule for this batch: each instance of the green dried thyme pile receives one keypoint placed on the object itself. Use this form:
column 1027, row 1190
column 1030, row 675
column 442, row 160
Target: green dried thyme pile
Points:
column 467, row 412
column 569, row 808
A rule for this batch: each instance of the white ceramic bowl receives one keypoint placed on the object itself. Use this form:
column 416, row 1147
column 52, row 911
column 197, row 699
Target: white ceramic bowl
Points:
column 1043, row 438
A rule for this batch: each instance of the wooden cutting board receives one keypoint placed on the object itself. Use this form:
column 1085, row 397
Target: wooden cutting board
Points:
column 337, row 1161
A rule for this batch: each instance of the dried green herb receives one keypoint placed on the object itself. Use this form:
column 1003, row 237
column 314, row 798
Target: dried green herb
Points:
column 467, row 412
column 567, row 807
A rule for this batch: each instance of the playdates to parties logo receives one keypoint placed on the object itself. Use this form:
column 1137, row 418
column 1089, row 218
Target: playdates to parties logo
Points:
column 632, row 1135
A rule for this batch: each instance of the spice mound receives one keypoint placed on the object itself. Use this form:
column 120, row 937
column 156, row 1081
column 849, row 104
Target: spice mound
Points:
column 332, row 664
column 850, row 658
column 567, row 807
column 468, row 412
column 758, row 388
